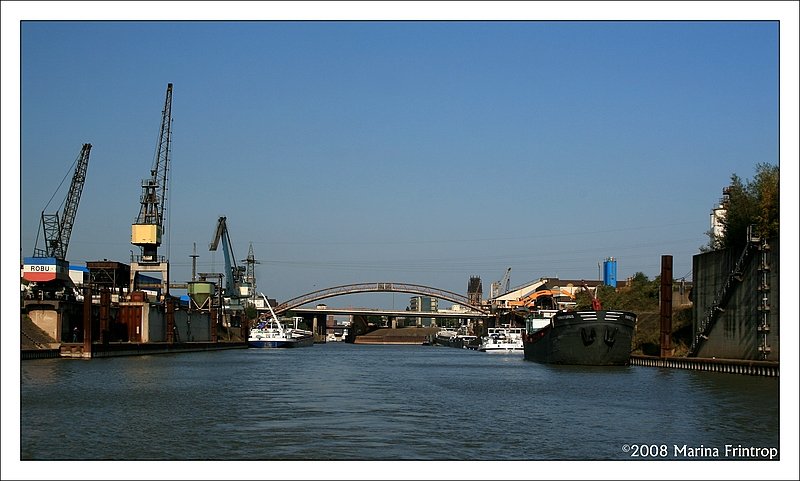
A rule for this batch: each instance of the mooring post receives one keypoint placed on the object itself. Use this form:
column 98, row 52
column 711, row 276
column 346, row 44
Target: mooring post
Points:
column 666, row 306
column 169, row 314
column 87, row 321
column 105, row 313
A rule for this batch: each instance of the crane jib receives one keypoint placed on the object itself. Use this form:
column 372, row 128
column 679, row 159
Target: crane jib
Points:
column 146, row 232
column 58, row 228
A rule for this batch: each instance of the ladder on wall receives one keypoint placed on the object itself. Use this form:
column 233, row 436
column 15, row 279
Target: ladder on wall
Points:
column 722, row 296
column 764, row 304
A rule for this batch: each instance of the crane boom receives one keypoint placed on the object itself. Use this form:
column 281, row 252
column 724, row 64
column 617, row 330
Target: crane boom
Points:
column 596, row 304
column 147, row 230
column 505, row 284
column 501, row 287
column 58, row 230
column 529, row 300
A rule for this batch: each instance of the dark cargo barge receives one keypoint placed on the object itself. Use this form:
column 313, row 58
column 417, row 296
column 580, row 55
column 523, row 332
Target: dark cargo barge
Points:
column 594, row 338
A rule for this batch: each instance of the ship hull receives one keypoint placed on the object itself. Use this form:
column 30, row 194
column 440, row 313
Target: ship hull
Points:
column 281, row 343
column 591, row 338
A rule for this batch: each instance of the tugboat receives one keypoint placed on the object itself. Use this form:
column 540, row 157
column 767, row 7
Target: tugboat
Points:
column 594, row 337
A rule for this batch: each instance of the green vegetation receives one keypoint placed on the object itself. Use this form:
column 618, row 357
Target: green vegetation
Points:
column 751, row 202
column 250, row 313
column 641, row 296
column 748, row 202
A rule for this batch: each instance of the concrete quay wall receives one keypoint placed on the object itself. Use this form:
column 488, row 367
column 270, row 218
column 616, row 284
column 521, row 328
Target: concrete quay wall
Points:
column 732, row 366
column 141, row 348
column 735, row 334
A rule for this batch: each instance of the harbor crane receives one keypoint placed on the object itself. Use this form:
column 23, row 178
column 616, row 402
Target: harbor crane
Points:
column 48, row 268
column 501, row 287
column 147, row 230
column 235, row 285
column 58, row 229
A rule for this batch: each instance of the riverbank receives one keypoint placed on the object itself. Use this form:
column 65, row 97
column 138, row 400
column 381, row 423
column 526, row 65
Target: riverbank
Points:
column 401, row 335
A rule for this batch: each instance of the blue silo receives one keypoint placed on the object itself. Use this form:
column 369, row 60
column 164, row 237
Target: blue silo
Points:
column 610, row 272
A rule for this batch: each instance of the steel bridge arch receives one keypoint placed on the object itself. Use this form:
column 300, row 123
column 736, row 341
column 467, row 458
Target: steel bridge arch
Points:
column 377, row 287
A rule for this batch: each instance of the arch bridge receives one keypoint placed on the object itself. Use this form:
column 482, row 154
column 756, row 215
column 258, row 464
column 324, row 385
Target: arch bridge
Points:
column 378, row 287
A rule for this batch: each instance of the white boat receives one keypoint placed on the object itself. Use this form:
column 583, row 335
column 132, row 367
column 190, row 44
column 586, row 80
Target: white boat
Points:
column 272, row 333
column 535, row 320
column 445, row 337
column 458, row 338
column 502, row 339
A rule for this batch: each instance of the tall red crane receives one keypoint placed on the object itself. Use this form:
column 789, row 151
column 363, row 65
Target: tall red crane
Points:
column 146, row 232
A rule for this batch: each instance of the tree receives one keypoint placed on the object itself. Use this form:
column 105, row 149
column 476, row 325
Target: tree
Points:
column 753, row 202
column 639, row 295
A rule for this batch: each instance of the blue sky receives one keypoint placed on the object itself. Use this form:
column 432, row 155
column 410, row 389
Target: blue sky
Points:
column 420, row 152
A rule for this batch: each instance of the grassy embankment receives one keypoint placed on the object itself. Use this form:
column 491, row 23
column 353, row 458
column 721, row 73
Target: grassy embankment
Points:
column 646, row 339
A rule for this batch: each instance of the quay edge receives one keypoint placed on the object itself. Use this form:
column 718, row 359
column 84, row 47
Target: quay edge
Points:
column 733, row 366
column 77, row 351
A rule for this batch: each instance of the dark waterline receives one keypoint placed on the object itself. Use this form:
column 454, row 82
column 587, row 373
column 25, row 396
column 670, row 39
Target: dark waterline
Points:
column 354, row 402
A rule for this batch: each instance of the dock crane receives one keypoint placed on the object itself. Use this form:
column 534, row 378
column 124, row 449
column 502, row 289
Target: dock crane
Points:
column 147, row 230
column 235, row 287
column 49, row 263
column 57, row 230
column 501, row 287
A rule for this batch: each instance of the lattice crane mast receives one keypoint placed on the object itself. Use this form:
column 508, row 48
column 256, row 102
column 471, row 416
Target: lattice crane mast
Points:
column 58, row 229
column 146, row 232
column 250, row 272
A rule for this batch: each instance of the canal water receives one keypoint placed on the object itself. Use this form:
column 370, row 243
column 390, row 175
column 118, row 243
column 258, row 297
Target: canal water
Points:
column 345, row 402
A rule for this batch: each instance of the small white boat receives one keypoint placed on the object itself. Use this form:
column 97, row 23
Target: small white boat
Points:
column 272, row 333
column 502, row 339
column 445, row 337
column 458, row 338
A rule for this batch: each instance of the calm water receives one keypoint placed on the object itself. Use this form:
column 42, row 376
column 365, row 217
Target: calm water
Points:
column 353, row 402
